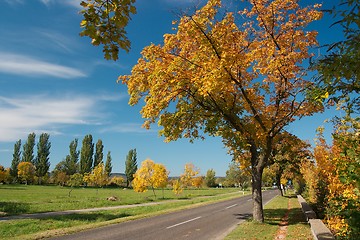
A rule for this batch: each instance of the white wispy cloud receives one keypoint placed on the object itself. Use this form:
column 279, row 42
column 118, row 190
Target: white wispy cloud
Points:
column 13, row 2
column 73, row 3
column 127, row 128
column 17, row 64
column 45, row 113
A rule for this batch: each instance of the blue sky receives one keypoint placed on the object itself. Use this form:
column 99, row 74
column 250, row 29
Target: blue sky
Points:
column 52, row 80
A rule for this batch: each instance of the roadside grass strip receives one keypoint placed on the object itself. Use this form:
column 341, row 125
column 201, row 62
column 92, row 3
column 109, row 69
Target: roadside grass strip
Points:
column 283, row 219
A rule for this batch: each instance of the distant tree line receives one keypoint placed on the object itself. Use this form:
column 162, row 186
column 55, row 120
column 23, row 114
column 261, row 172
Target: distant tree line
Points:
column 84, row 166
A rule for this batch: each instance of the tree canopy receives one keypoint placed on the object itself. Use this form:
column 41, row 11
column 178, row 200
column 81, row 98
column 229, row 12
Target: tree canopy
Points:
column 237, row 75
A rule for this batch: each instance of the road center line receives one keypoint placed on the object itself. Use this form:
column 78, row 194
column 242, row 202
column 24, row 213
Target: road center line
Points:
column 231, row 206
column 183, row 222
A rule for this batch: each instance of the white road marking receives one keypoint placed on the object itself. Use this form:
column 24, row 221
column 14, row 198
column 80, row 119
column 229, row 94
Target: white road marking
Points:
column 231, row 206
column 183, row 222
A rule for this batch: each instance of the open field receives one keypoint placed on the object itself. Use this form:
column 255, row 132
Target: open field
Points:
column 18, row 199
column 281, row 211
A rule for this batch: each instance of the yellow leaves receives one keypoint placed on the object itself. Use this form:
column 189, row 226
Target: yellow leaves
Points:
column 188, row 177
column 325, row 95
column 150, row 174
column 216, row 74
column 98, row 176
column 26, row 171
column 177, row 187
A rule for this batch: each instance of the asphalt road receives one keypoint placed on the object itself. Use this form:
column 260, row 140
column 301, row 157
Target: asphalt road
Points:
column 212, row 221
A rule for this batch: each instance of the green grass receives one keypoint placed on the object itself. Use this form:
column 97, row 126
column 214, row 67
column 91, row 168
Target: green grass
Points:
column 30, row 199
column 274, row 211
column 20, row 199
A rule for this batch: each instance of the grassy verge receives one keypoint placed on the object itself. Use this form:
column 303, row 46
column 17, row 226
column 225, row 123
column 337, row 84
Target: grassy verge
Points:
column 52, row 226
column 274, row 211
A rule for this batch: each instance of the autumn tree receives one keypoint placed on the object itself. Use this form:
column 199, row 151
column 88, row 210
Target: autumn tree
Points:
column 210, row 178
column 286, row 158
column 99, row 155
column 238, row 75
column 28, row 149
column 104, row 22
column 150, row 175
column 117, row 181
column 190, row 171
column 26, row 172
column 108, row 164
column 4, row 174
column 86, row 157
column 42, row 163
column 98, row 176
column 198, row 181
column 177, row 187
column 16, row 160
column 130, row 166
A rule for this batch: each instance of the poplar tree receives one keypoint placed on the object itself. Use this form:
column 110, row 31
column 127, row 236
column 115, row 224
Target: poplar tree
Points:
column 99, row 155
column 108, row 164
column 130, row 166
column 86, row 155
column 16, row 160
column 28, row 149
column 72, row 159
column 42, row 163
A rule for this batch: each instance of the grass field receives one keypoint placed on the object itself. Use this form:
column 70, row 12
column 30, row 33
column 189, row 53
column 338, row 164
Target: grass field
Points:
column 18, row 199
column 295, row 227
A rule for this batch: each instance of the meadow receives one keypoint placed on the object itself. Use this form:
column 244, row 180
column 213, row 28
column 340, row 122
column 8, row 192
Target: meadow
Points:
column 20, row 199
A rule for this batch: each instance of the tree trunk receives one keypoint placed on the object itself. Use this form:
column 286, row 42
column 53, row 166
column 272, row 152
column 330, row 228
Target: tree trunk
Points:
column 258, row 213
column 278, row 183
column 257, row 167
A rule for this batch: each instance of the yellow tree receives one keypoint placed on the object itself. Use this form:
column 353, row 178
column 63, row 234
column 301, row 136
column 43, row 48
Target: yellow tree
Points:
column 198, row 181
column 187, row 178
column 150, row 174
column 237, row 75
column 336, row 189
column 177, row 187
column 98, row 176
column 4, row 174
column 26, row 171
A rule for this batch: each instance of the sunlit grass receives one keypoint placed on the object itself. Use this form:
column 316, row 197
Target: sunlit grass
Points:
column 274, row 212
column 19, row 199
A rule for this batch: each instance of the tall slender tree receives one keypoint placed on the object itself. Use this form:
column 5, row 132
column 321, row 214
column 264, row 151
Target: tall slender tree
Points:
column 86, row 156
column 16, row 160
column 42, row 163
column 108, row 164
column 99, row 155
column 71, row 160
column 28, row 149
column 130, row 166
